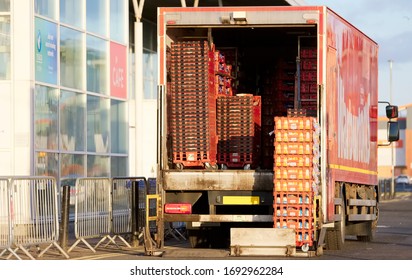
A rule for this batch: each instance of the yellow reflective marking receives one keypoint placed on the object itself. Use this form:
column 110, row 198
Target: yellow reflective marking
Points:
column 243, row 200
column 353, row 169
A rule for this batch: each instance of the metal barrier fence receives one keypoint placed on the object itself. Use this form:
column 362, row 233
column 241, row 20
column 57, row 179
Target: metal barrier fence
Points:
column 5, row 219
column 125, row 192
column 106, row 209
column 92, row 210
column 385, row 192
column 29, row 209
column 121, row 208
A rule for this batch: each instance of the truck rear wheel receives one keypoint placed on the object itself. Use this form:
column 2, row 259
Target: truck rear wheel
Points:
column 335, row 238
column 369, row 227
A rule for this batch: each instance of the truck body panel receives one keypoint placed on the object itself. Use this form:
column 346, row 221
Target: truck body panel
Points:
column 342, row 62
column 239, row 180
column 352, row 74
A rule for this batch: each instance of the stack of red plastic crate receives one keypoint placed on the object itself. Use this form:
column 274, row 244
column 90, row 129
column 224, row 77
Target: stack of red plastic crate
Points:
column 238, row 118
column 278, row 96
column 223, row 78
column 192, row 114
column 308, row 87
column 296, row 173
column 285, row 86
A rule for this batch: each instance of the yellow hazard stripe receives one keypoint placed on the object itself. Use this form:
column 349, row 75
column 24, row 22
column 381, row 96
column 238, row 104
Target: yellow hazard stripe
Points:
column 353, row 169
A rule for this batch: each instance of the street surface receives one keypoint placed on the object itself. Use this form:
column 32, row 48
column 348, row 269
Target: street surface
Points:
column 393, row 238
column 389, row 254
column 393, row 241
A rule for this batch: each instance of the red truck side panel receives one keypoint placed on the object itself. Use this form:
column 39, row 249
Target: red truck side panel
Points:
column 352, row 97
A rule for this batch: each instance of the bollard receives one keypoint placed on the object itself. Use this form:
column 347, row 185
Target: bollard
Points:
column 388, row 189
column 64, row 225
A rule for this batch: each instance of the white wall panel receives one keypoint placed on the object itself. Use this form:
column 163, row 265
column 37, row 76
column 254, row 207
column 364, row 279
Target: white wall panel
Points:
column 143, row 136
column 6, row 161
column 5, row 116
column 146, row 142
column 22, row 89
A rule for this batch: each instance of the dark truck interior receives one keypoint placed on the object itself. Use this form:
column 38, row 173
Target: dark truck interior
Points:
column 266, row 68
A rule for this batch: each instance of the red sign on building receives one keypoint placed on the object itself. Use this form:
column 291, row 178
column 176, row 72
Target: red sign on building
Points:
column 118, row 70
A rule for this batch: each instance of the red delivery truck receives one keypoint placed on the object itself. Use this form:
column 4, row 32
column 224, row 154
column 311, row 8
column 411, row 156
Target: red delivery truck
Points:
column 267, row 140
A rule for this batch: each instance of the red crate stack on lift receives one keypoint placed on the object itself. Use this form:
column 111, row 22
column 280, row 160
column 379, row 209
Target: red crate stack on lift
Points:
column 278, row 96
column 192, row 112
column 238, row 125
column 296, row 175
column 308, row 71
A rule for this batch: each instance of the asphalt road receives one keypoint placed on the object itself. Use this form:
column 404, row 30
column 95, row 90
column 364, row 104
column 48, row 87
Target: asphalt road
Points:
column 389, row 254
column 393, row 237
column 392, row 241
column 392, row 244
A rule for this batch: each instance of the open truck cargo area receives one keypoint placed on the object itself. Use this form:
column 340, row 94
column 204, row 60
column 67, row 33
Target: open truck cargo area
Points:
column 267, row 119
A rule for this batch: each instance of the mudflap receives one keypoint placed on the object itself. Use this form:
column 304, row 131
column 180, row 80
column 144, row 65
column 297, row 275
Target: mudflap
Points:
column 262, row 242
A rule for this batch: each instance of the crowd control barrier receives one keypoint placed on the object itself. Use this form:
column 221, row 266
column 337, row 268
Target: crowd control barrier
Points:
column 128, row 193
column 106, row 209
column 92, row 210
column 29, row 216
column 121, row 208
column 5, row 219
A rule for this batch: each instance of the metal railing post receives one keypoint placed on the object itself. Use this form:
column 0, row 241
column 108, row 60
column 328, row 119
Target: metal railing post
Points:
column 64, row 225
column 134, row 215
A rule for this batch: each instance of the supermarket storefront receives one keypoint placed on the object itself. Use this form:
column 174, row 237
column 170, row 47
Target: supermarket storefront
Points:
column 78, row 86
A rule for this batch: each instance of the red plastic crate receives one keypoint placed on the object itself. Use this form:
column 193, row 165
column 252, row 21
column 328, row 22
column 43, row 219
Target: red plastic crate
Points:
column 298, row 223
column 293, row 211
column 304, row 231
column 287, row 211
column 292, row 148
column 294, row 123
column 304, row 237
column 293, row 198
column 293, row 135
column 309, row 64
column 308, row 87
column 292, row 185
column 311, row 96
column 194, row 159
column 293, row 173
column 308, row 53
column 293, row 160
column 308, row 76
